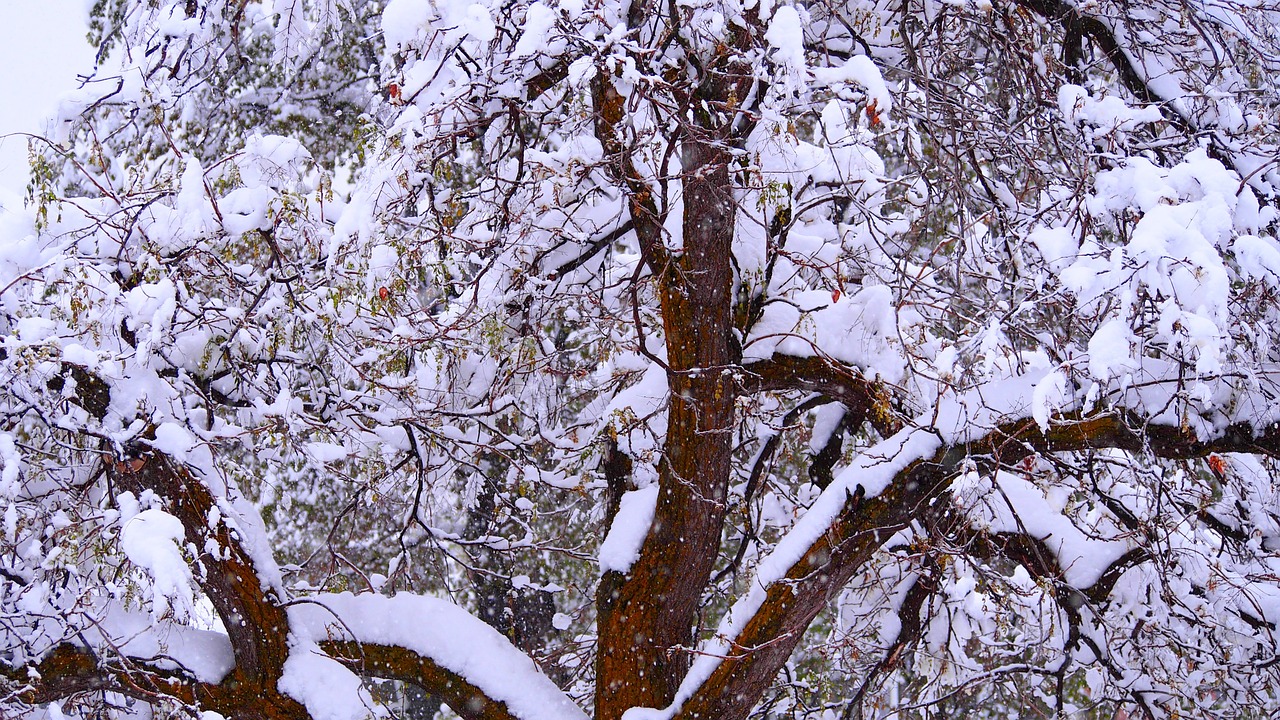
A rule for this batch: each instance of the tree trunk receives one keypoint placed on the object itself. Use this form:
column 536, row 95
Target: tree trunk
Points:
column 646, row 619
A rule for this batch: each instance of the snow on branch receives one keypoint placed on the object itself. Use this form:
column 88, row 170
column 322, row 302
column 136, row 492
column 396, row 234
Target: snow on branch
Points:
column 884, row 490
column 437, row 645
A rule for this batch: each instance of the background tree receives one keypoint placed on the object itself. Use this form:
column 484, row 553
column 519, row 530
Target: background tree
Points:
column 722, row 358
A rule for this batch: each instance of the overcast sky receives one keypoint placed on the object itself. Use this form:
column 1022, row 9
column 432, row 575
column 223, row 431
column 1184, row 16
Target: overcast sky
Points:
column 42, row 47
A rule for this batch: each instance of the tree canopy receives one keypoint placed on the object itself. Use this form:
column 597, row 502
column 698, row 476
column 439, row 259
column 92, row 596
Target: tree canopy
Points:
column 648, row 361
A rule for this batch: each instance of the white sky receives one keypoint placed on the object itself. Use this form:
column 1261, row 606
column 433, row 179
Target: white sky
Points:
column 42, row 48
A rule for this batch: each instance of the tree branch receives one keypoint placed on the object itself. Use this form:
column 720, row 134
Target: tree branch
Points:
column 397, row 663
column 70, row 670
column 835, row 380
column 767, row 639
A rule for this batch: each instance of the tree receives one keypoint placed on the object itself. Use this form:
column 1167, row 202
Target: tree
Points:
column 901, row 354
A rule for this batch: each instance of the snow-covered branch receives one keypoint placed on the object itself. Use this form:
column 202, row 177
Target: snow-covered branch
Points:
column 908, row 473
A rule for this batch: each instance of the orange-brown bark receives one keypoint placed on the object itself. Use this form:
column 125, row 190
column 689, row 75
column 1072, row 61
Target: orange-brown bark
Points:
column 646, row 619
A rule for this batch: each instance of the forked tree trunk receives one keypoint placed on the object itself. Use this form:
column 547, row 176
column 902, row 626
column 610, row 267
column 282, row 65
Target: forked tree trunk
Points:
column 646, row 619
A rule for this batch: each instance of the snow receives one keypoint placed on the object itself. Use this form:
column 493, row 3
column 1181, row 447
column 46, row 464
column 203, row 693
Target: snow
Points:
column 434, row 628
column 246, row 209
column 293, row 35
column 1110, row 112
column 642, row 399
column 394, row 439
column 775, row 324
column 204, row 653
column 272, row 161
column 403, row 19
column 1058, row 246
column 327, row 452
column 621, row 547
column 173, row 440
column 861, row 329
column 10, row 465
column 326, row 687
column 539, row 20
column 153, row 540
column 1049, row 395
column 1110, row 354
column 176, row 24
column 1259, row 258
column 479, row 23
column 825, row 424
column 1021, row 506
column 786, row 35
column 862, row 70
